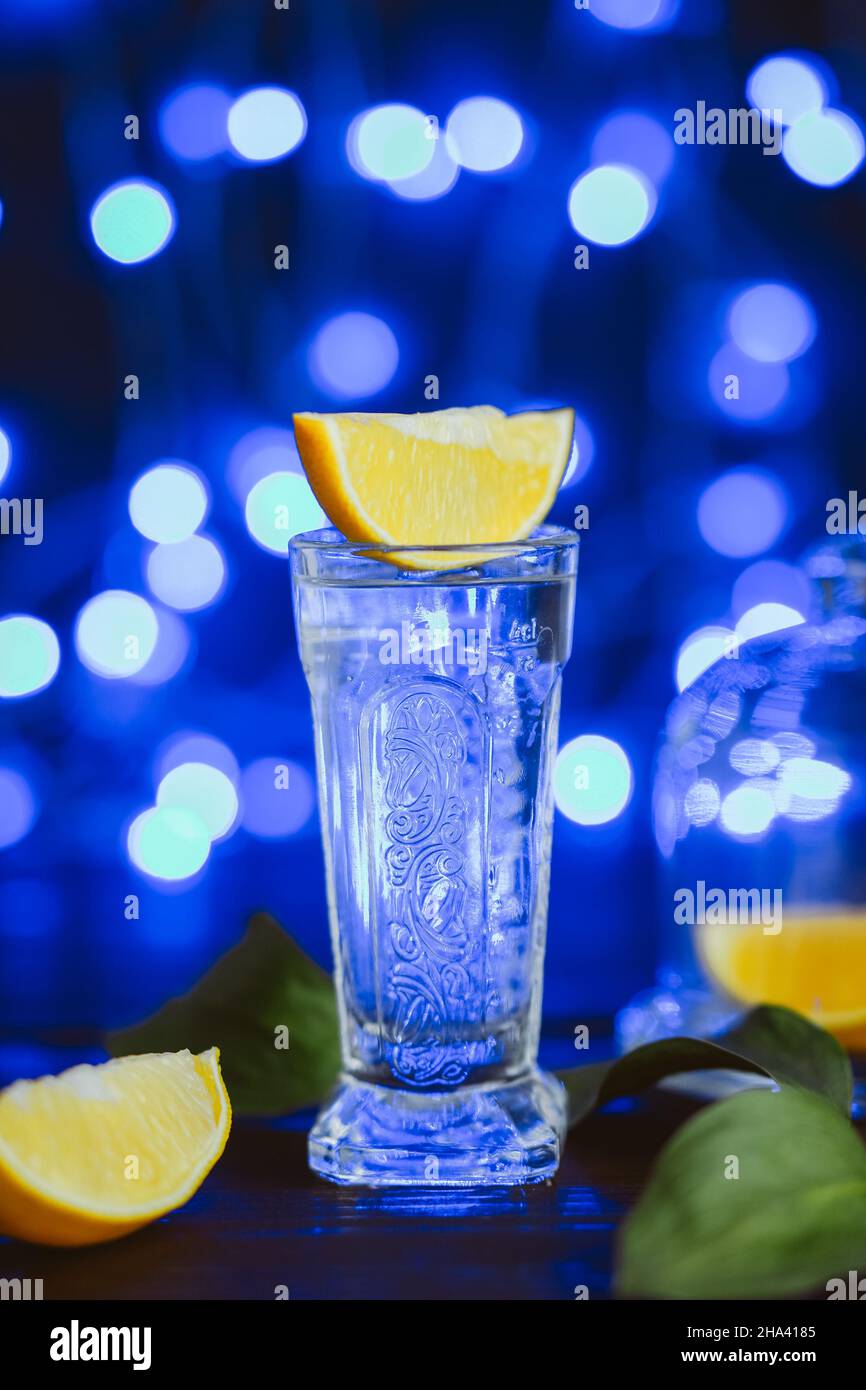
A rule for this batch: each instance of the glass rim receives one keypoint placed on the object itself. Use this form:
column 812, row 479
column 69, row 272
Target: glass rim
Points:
column 543, row 538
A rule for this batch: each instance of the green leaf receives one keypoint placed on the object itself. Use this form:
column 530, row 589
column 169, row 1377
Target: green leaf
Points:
column 794, row 1052
column 263, row 984
column 794, row 1217
column 770, row 1041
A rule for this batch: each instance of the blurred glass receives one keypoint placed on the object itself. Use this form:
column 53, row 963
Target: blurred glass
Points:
column 759, row 813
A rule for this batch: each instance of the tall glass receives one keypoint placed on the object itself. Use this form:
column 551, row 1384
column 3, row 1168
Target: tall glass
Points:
column 435, row 682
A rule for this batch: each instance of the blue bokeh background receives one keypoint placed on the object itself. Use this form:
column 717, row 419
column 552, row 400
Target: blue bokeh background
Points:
column 476, row 286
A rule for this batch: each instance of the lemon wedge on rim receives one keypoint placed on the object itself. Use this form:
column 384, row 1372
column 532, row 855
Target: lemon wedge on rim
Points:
column 447, row 477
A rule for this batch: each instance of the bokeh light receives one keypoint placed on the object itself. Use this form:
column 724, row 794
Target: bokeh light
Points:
column 170, row 656
column 611, row 205
column 788, row 84
column 754, row 756
column 193, row 122
column 168, row 502
column 742, row 513
column 635, row 139
column 266, row 124
column 280, row 506
column 825, row 148
column 635, row 14
column 771, row 581
column 353, row 355
column 116, row 634
column 187, row 575
column 204, row 790
column 592, row 780
column 702, row 801
column 388, row 142
column 582, row 453
column 748, row 810
column 434, row 181
column 765, row 618
column 484, row 134
column 259, row 452
column 5, row 454
column 772, row 323
column 277, row 797
column 168, row 842
column 18, row 808
column 132, row 221
column 189, row 746
column 29, row 656
column 810, row 789
column 746, row 390
column 700, row 651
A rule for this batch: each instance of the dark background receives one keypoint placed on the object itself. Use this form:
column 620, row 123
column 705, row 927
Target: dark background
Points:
column 479, row 287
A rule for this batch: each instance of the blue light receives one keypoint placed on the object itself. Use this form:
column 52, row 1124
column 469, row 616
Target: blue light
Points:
column 18, row 808
column 170, row 654
column 484, row 134
column 277, row 796
column 269, row 449
column 353, row 356
column 190, row 747
column 702, row 801
column 772, row 323
column 204, row 790
column 700, row 651
column 390, row 142
column 825, row 148
column 809, row 789
column 742, row 513
column 29, row 656
column 115, row 634
column 435, row 181
column 582, row 453
column 746, row 390
column 636, row 14
column 168, row 842
column 771, row 581
column 748, row 810
column 266, row 124
column 765, row 618
column 592, row 780
column 132, row 221
column 611, row 205
column 754, row 756
column 5, row 454
column 187, row 575
column 788, row 84
column 279, row 507
column 637, row 140
column 193, row 122
column 168, row 502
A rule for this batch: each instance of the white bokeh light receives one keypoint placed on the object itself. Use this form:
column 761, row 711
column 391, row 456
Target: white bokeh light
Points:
column 266, row 124
column 611, row 205
column 484, row 134
column 168, row 502
column 116, row 634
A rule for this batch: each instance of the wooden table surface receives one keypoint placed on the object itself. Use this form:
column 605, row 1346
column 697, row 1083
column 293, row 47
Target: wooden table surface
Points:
column 262, row 1221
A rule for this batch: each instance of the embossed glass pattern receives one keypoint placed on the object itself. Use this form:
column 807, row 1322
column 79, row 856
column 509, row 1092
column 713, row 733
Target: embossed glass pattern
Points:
column 435, row 697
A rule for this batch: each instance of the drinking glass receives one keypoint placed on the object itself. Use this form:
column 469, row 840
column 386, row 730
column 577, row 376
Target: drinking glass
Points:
column 435, row 682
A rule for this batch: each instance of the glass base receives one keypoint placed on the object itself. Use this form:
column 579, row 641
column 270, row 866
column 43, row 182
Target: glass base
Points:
column 476, row 1136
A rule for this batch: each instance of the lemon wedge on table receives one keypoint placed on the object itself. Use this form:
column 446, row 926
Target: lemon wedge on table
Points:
column 816, row 964
column 99, row 1151
column 448, row 477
